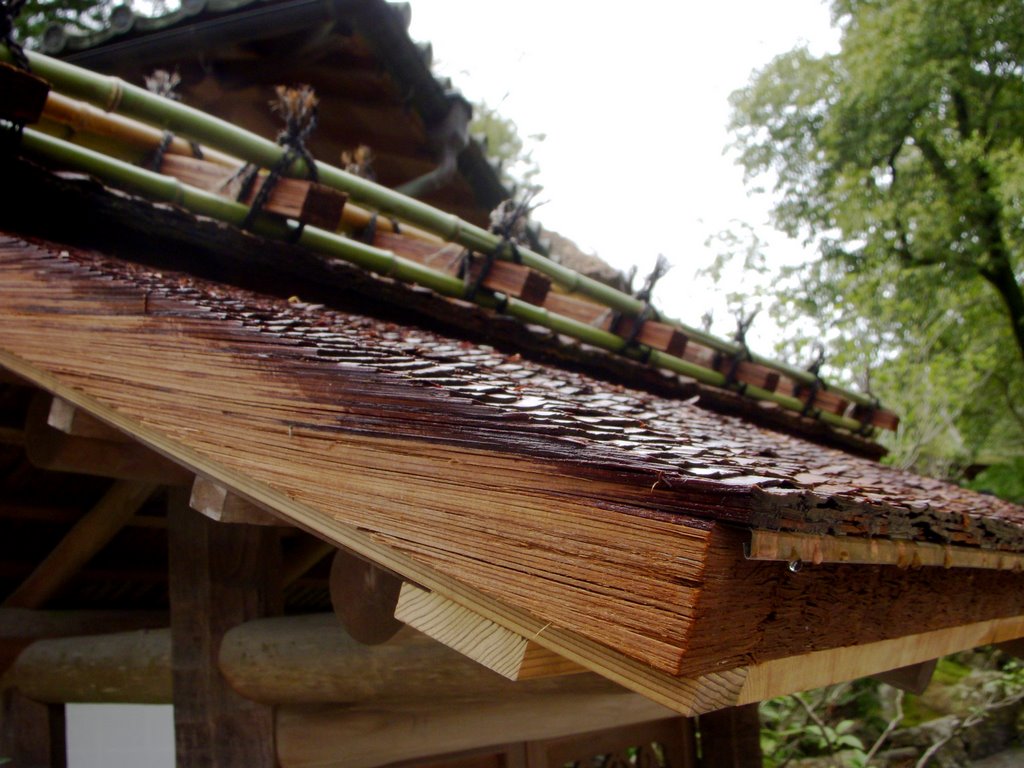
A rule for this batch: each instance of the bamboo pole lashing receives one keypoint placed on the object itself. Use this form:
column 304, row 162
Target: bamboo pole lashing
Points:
column 116, row 95
column 660, row 336
column 378, row 260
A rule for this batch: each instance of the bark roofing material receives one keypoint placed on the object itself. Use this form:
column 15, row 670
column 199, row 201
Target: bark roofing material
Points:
column 677, row 456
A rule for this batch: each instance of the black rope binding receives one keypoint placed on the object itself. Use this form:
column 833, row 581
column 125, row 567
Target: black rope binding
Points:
column 164, row 83
column 742, row 355
column 509, row 221
column 369, row 233
column 817, row 386
column 868, row 415
column 298, row 107
column 647, row 310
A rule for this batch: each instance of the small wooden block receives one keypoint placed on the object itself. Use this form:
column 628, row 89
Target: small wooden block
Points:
column 655, row 335
column 48, row 448
column 877, row 417
column 70, row 420
column 306, row 201
column 576, row 308
column 482, row 640
column 218, row 503
column 22, row 95
column 512, row 280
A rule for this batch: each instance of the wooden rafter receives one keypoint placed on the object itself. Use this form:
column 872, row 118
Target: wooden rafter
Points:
column 87, row 537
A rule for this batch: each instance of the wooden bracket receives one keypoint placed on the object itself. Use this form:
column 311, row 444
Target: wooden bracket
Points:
column 364, row 597
column 912, row 679
column 482, row 640
column 48, row 448
column 218, row 503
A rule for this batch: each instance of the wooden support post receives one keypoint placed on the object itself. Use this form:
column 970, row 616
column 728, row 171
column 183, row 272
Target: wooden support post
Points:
column 87, row 537
column 220, row 576
column 730, row 738
column 32, row 735
column 364, row 597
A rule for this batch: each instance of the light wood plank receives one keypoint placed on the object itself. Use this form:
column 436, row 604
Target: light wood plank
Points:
column 799, row 547
column 88, row 536
column 481, row 639
column 814, row 670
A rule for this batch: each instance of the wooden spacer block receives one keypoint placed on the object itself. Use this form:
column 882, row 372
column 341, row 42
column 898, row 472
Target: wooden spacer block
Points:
column 481, row 639
column 218, row 503
column 306, row 201
column 70, row 420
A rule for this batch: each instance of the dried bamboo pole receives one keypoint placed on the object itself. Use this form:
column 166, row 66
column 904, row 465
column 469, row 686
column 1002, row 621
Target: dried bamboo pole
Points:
column 127, row 139
column 168, row 189
column 113, row 94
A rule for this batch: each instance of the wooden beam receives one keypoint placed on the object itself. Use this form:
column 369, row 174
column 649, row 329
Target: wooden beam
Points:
column 290, row 660
column 66, row 418
column 32, row 735
column 806, row 548
column 48, row 448
column 359, row 737
column 219, row 504
column 123, row 667
column 912, row 679
column 220, row 576
column 621, row 746
column 12, row 436
column 730, row 738
column 20, row 627
column 481, row 639
column 364, row 597
column 88, row 536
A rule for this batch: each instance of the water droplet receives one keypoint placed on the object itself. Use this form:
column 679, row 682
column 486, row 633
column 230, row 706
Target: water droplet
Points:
column 795, row 566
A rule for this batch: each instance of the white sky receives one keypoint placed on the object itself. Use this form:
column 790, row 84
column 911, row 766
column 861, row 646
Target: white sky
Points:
column 632, row 99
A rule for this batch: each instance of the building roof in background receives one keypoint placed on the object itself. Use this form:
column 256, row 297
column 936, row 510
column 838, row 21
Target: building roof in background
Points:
column 374, row 83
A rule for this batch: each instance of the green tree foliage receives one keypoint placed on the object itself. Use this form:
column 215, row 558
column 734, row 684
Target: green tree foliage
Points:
column 37, row 15
column 901, row 158
column 506, row 146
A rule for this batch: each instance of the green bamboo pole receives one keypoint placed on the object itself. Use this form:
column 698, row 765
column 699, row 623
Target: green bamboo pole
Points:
column 156, row 186
column 113, row 94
